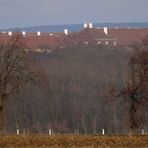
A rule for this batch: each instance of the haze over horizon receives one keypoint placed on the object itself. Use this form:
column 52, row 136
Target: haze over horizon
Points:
column 26, row 13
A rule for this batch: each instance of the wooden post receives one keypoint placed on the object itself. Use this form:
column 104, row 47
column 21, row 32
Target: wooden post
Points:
column 17, row 131
column 142, row 131
column 50, row 132
column 103, row 132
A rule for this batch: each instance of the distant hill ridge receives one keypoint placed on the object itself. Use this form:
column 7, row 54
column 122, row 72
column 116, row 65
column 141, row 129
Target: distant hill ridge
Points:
column 77, row 27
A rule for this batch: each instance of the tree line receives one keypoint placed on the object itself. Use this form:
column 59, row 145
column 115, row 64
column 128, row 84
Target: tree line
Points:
column 78, row 89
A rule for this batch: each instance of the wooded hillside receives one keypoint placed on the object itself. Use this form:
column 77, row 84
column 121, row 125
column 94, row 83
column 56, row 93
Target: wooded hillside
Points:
column 70, row 93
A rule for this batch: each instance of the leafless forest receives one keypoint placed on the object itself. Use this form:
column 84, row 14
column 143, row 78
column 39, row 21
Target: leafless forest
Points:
column 79, row 90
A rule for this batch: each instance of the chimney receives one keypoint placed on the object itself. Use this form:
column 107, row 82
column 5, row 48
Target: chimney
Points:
column 85, row 25
column 10, row 33
column 90, row 25
column 66, row 31
column 23, row 33
column 38, row 33
column 105, row 30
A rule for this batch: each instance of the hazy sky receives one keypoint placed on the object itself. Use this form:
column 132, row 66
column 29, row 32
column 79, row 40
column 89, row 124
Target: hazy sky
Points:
column 22, row 13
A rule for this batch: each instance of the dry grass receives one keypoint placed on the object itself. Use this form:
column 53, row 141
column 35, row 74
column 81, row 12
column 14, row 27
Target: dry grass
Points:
column 72, row 141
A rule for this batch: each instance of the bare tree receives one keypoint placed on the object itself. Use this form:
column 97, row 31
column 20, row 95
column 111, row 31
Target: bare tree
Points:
column 145, row 40
column 12, row 72
column 135, row 92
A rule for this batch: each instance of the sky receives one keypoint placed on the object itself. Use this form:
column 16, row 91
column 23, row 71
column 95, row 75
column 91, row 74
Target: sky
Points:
column 26, row 13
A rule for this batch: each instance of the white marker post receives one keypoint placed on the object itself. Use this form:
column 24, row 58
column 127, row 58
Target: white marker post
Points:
column 103, row 132
column 142, row 131
column 17, row 132
column 50, row 132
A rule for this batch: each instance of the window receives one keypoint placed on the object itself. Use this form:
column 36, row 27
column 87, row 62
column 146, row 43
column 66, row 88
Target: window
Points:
column 99, row 42
column 106, row 42
column 114, row 43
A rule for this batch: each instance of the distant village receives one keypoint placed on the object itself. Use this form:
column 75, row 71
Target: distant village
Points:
column 45, row 41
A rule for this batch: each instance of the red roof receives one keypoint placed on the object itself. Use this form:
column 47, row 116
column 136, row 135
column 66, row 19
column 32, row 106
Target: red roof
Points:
column 123, row 36
column 42, row 41
column 128, row 36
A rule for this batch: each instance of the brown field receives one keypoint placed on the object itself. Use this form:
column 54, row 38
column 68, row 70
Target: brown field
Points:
column 73, row 141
